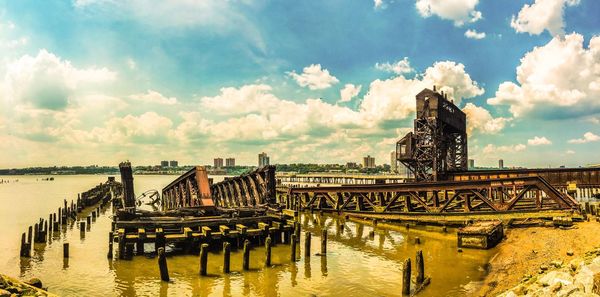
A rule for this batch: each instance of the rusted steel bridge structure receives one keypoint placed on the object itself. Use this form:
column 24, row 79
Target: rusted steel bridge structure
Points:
column 193, row 210
column 442, row 190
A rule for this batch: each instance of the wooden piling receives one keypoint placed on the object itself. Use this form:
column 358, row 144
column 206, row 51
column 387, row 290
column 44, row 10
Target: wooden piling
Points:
column 36, row 230
column 406, row 277
column 162, row 265
column 66, row 250
column 89, row 221
column 246, row 259
column 420, row 266
column 297, row 230
column 324, row 242
column 293, row 248
column 226, row 257
column 29, row 235
column 82, row 227
column 417, row 240
column 110, row 245
column 25, row 248
column 307, row 238
column 268, row 251
column 203, row 258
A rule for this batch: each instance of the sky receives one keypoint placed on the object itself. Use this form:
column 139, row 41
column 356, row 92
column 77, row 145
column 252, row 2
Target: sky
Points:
column 87, row 82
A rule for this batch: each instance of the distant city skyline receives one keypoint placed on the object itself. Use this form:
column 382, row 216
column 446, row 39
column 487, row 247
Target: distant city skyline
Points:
column 100, row 81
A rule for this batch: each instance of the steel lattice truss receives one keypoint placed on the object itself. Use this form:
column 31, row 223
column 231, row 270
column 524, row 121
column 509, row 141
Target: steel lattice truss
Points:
column 247, row 190
column 468, row 197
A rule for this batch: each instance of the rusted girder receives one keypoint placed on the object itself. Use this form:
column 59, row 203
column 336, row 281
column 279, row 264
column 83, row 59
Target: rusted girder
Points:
column 247, row 190
column 192, row 189
column 473, row 196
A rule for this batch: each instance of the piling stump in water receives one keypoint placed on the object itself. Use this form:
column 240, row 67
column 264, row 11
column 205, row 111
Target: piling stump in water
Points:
column 66, row 250
column 162, row 265
column 293, row 248
column 268, row 251
column 307, row 237
column 203, row 258
column 246, row 259
column 226, row 257
column 406, row 277
column 420, row 266
column 324, row 242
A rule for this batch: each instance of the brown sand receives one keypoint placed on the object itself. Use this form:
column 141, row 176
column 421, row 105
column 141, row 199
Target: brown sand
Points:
column 526, row 249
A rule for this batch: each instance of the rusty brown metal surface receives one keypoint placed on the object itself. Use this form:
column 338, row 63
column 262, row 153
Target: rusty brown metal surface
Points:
column 191, row 189
column 247, row 190
column 529, row 193
column 438, row 144
column 557, row 177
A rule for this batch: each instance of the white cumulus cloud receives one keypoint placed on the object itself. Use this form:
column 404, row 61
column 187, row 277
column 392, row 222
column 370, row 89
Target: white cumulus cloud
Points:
column 536, row 140
column 559, row 79
column 492, row 149
column 542, row 15
column 587, row 137
column 348, row 92
column 459, row 11
column 154, row 97
column 479, row 119
column 45, row 81
column 473, row 34
column 399, row 67
column 314, row 77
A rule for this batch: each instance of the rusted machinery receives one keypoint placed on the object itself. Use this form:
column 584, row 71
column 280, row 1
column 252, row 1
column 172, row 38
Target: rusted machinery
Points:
column 191, row 189
column 438, row 202
column 439, row 142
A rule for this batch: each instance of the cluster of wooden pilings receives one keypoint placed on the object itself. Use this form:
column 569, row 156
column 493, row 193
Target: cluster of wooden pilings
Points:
column 292, row 239
column 421, row 280
column 67, row 214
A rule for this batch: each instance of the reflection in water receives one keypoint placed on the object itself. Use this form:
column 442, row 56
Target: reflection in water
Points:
column 356, row 264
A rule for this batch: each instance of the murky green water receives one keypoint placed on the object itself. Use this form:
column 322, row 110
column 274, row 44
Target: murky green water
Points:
column 356, row 265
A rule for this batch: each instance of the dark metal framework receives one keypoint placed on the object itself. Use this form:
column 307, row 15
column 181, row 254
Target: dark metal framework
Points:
column 247, row 190
column 439, row 142
column 508, row 195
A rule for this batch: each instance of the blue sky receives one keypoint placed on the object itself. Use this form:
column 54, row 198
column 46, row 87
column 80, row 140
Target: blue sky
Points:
column 98, row 81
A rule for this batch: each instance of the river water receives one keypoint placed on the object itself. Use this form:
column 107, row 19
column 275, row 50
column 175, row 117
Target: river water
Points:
column 355, row 265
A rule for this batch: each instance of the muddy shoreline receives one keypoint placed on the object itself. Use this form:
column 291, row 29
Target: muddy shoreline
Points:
column 525, row 250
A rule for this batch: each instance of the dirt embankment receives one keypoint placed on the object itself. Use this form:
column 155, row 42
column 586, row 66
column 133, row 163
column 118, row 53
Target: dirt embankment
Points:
column 525, row 250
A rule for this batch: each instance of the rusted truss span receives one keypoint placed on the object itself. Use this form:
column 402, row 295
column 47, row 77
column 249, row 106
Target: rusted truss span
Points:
column 191, row 189
column 468, row 197
column 247, row 190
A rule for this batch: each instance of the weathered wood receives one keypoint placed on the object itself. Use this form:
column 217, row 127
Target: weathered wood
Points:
column 293, row 248
column 203, row 258
column 307, row 238
column 246, row 259
column 420, row 266
column 226, row 257
column 162, row 265
column 406, row 277
column 268, row 251
column 324, row 241
column 66, row 250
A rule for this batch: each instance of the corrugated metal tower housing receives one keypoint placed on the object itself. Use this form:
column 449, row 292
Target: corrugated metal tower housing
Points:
column 439, row 142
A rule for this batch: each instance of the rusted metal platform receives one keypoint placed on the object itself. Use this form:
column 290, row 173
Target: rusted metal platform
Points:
column 431, row 202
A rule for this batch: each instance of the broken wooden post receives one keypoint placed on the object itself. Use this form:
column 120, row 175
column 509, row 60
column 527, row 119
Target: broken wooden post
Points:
column 246, row 259
column 36, row 235
column 268, row 251
column 25, row 248
column 203, row 258
column 324, row 242
column 29, row 235
column 307, row 237
column 89, row 221
column 82, row 227
column 297, row 230
column 226, row 256
column 162, row 265
column 406, row 277
column 110, row 245
column 293, row 248
column 66, row 250
column 420, row 266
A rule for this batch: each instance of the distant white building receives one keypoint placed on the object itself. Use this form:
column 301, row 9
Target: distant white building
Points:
column 263, row 159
